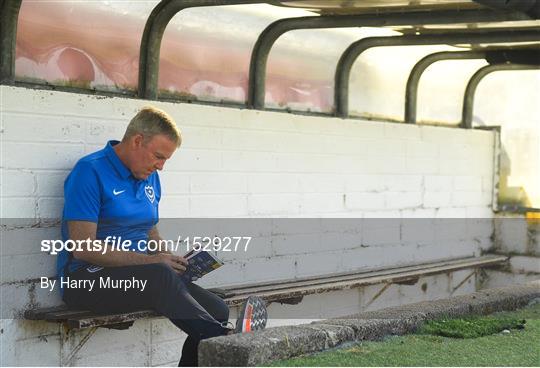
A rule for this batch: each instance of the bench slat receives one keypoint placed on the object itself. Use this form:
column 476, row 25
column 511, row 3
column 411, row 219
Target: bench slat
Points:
column 93, row 320
column 38, row 314
column 63, row 316
column 335, row 277
column 301, row 287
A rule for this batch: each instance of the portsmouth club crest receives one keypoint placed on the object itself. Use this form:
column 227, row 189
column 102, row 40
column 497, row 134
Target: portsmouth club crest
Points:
column 150, row 194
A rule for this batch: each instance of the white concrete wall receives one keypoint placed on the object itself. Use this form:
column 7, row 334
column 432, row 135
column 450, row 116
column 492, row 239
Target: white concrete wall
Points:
column 233, row 163
column 440, row 99
column 519, row 237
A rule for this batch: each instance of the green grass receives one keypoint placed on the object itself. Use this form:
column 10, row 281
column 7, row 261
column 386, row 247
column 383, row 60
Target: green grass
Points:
column 471, row 327
column 481, row 345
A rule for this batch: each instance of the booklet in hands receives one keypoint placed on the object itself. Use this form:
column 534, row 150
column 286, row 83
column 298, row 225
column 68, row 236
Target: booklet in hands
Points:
column 200, row 263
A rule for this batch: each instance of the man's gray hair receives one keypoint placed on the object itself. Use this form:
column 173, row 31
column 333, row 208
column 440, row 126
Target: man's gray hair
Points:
column 151, row 121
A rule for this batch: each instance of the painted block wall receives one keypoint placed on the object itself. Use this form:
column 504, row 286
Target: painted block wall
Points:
column 233, row 163
column 519, row 237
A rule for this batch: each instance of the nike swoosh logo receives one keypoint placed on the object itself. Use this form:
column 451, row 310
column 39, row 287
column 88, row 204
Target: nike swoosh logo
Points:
column 119, row 192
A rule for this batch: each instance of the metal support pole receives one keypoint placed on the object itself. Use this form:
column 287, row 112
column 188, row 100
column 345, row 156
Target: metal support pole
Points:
column 9, row 12
column 259, row 56
column 411, row 91
column 468, row 100
column 153, row 34
column 343, row 69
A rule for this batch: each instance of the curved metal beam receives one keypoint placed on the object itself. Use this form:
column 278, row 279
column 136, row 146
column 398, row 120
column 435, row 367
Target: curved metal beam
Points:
column 153, row 34
column 411, row 90
column 259, row 56
column 9, row 13
column 468, row 100
column 343, row 69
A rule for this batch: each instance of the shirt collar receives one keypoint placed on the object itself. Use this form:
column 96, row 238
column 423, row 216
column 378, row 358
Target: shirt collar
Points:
column 119, row 166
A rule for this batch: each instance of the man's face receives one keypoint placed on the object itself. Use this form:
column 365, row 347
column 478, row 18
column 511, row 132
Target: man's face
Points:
column 150, row 155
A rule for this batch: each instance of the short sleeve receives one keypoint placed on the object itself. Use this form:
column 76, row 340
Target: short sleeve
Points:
column 82, row 194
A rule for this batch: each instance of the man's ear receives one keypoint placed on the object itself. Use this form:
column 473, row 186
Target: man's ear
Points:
column 138, row 141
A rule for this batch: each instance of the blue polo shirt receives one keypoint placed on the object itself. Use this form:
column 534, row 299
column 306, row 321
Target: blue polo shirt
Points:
column 101, row 189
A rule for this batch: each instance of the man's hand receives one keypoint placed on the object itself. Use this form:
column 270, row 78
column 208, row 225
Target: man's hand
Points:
column 178, row 263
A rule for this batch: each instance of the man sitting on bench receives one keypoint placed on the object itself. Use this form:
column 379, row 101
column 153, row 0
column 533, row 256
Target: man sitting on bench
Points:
column 115, row 192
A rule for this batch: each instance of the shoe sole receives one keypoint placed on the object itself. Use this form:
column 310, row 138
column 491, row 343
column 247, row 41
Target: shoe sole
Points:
column 253, row 315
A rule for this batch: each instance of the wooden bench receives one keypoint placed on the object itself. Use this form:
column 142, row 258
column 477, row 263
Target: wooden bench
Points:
column 287, row 292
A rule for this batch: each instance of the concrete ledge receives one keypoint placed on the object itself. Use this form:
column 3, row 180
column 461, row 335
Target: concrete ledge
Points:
column 258, row 348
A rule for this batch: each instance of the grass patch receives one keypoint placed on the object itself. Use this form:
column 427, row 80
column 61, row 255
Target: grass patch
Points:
column 471, row 327
column 520, row 347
